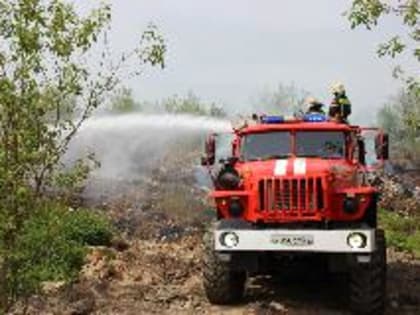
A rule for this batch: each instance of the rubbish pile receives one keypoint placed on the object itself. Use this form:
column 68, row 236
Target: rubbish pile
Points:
column 399, row 194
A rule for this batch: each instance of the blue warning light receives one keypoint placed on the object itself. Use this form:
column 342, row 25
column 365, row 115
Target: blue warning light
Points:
column 314, row 117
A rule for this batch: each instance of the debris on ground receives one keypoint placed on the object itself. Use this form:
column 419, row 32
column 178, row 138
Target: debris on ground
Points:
column 155, row 267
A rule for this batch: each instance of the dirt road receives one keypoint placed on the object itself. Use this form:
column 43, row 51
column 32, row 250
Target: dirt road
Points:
column 163, row 219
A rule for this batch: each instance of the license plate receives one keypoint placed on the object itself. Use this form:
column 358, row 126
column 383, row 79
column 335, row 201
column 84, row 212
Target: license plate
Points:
column 292, row 240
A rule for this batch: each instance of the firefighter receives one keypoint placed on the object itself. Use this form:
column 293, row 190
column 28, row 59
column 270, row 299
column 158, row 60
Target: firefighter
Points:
column 340, row 108
column 255, row 119
column 314, row 106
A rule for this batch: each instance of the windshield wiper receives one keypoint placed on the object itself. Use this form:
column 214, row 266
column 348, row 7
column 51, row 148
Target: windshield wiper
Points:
column 320, row 156
column 334, row 157
column 310, row 155
column 276, row 156
column 268, row 157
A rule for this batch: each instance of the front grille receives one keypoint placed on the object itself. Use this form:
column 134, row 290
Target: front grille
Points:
column 292, row 196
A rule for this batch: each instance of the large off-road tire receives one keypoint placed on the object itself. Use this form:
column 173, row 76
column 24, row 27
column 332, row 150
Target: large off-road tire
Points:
column 222, row 284
column 367, row 283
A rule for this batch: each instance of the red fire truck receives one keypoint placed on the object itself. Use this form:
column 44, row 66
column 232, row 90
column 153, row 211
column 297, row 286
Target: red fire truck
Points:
column 296, row 189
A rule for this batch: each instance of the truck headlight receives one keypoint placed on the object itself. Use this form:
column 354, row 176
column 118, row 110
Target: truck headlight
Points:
column 228, row 178
column 235, row 207
column 229, row 239
column 350, row 205
column 357, row 240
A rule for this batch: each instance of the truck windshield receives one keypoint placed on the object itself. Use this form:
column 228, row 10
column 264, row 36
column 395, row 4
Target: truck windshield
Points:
column 265, row 146
column 325, row 144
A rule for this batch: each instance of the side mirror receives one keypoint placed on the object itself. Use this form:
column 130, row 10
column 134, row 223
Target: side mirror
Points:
column 382, row 146
column 210, row 151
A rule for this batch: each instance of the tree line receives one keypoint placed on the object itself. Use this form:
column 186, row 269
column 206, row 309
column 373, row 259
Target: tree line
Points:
column 124, row 101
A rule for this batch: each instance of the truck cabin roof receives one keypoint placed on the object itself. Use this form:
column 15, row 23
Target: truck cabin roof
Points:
column 297, row 124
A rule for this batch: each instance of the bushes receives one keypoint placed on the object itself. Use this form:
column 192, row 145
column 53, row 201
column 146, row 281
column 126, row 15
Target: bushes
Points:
column 400, row 117
column 87, row 228
column 52, row 246
column 403, row 233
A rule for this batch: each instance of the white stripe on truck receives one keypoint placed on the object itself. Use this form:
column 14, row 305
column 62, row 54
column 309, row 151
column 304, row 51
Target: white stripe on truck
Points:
column 280, row 167
column 299, row 166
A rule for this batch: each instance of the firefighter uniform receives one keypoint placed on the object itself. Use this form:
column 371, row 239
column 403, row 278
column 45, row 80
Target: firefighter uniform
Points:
column 340, row 108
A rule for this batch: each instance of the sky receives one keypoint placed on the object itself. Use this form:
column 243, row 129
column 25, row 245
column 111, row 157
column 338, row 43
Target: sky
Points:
column 230, row 51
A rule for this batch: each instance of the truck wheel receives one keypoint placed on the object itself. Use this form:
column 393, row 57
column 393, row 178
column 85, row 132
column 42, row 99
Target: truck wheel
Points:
column 222, row 284
column 367, row 282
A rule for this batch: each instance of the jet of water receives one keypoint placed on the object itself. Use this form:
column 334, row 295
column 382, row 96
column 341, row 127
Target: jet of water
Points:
column 130, row 122
column 130, row 146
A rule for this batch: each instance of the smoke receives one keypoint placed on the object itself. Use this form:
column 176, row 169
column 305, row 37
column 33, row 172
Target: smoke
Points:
column 130, row 146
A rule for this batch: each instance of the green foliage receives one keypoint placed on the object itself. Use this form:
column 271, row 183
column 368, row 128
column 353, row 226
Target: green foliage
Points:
column 216, row 111
column 400, row 117
column 284, row 99
column 124, row 102
column 188, row 105
column 368, row 13
column 50, row 83
column 71, row 182
column 191, row 104
column 391, row 48
column 402, row 233
column 87, row 228
column 51, row 246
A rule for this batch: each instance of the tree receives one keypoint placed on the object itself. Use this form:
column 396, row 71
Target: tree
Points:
column 285, row 99
column 217, row 111
column 123, row 101
column 48, row 88
column 369, row 12
column 191, row 104
column 400, row 117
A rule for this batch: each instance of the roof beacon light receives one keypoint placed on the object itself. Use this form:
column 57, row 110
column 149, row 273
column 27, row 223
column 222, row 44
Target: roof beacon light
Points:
column 314, row 117
column 272, row 119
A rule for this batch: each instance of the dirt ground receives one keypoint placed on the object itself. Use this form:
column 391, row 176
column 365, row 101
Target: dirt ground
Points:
column 157, row 269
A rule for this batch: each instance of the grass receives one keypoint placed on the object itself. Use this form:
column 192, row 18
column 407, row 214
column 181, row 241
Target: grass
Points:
column 403, row 233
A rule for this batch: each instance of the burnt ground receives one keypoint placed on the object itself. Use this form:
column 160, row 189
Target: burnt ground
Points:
column 156, row 269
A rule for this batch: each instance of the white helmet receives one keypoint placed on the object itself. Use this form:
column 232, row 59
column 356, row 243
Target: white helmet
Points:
column 337, row 87
column 311, row 100
column 312, row 103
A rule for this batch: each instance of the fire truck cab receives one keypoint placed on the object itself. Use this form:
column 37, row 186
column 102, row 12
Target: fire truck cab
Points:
column 294, row 189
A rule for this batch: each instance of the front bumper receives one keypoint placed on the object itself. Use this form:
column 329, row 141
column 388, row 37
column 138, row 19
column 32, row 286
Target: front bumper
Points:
column 327, row 241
